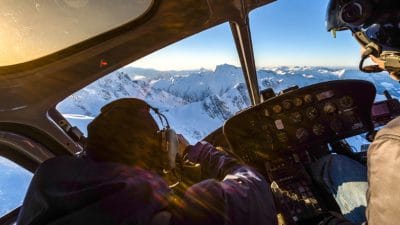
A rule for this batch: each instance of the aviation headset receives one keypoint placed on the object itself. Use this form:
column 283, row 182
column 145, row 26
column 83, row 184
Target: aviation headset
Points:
column 168, row 142
column 355, row 12
column 168, row 152
column 165, row 155
column 355, row 15
column 188, row 171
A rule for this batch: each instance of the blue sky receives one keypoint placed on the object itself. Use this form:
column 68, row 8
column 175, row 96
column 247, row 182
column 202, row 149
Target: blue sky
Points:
column 286, row 32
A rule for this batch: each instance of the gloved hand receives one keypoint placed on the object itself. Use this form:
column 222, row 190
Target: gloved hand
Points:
column 334, row 218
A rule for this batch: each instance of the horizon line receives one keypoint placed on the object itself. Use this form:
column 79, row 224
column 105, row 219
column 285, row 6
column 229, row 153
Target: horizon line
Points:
column 257, row 68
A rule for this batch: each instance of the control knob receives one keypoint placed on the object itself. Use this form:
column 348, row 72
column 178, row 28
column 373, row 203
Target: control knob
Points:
column 308, row 98
column 346, row 102
column 287, row 104
column 296, row 117
column 302, row 134
column 297, row 102
column 329, row 108
column 311, row 113
column 318, row 129
column 277, row 109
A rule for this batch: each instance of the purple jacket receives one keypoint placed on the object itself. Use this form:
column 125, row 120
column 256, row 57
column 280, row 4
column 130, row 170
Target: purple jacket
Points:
column 67, row 190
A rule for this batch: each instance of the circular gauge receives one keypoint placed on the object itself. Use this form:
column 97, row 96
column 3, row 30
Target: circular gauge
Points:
column 346, row 101
column 311, row 113
column 302, row 134
column 277, row 109
column 318, row 129
column 308, row 99
column 297, row 102
column 329, row 108
column 287, row 104
column 296, row 117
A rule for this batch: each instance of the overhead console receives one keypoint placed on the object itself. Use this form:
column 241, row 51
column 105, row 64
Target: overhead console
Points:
column 301, row 118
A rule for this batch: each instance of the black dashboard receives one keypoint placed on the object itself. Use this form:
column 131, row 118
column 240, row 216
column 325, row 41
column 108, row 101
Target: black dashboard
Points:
column 302, row 118
column 277, row 135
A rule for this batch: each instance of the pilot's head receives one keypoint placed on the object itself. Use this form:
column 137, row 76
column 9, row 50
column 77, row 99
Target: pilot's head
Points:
column 376, row 26
column 124, row 132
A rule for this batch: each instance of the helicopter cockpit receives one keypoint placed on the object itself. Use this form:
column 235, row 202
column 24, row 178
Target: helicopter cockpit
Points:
column 278, row 129
column 288, row 132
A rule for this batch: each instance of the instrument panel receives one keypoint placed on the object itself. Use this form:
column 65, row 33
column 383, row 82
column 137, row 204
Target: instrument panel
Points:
column 276, row 136
column 300, row 119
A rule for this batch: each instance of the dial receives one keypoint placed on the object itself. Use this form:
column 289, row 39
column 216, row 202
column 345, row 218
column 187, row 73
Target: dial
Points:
column 346, row 102
column 318, row 129
column 308, row 98
column 297, row 102
column 311, row 113
column 287, row 104
column 329, row 108
column 302, row 134
column 277, row 109
column 296, row 117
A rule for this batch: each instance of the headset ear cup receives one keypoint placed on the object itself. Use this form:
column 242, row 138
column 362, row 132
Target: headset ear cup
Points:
column 169, row 148
column 355, row 12
column 163, row 154
column 172, row 147
column 169, row 144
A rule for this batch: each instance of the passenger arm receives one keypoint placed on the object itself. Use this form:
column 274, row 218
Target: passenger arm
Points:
column 233, row 194
column 383, row 176
column 214, row 163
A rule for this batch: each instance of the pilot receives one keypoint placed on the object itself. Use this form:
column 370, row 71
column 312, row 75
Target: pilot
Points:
column 120, row 180
column 375, row 24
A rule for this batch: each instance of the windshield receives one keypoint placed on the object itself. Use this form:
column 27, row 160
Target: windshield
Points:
column 196, row 83
column 14, row 181
column 34, row 28
column 295, row 49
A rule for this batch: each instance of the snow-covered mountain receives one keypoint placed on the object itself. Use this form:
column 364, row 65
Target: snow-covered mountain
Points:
column 199, row 101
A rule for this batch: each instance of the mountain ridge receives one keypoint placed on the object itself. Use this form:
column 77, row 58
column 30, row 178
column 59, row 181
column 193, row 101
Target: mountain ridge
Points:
column 198, row 101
